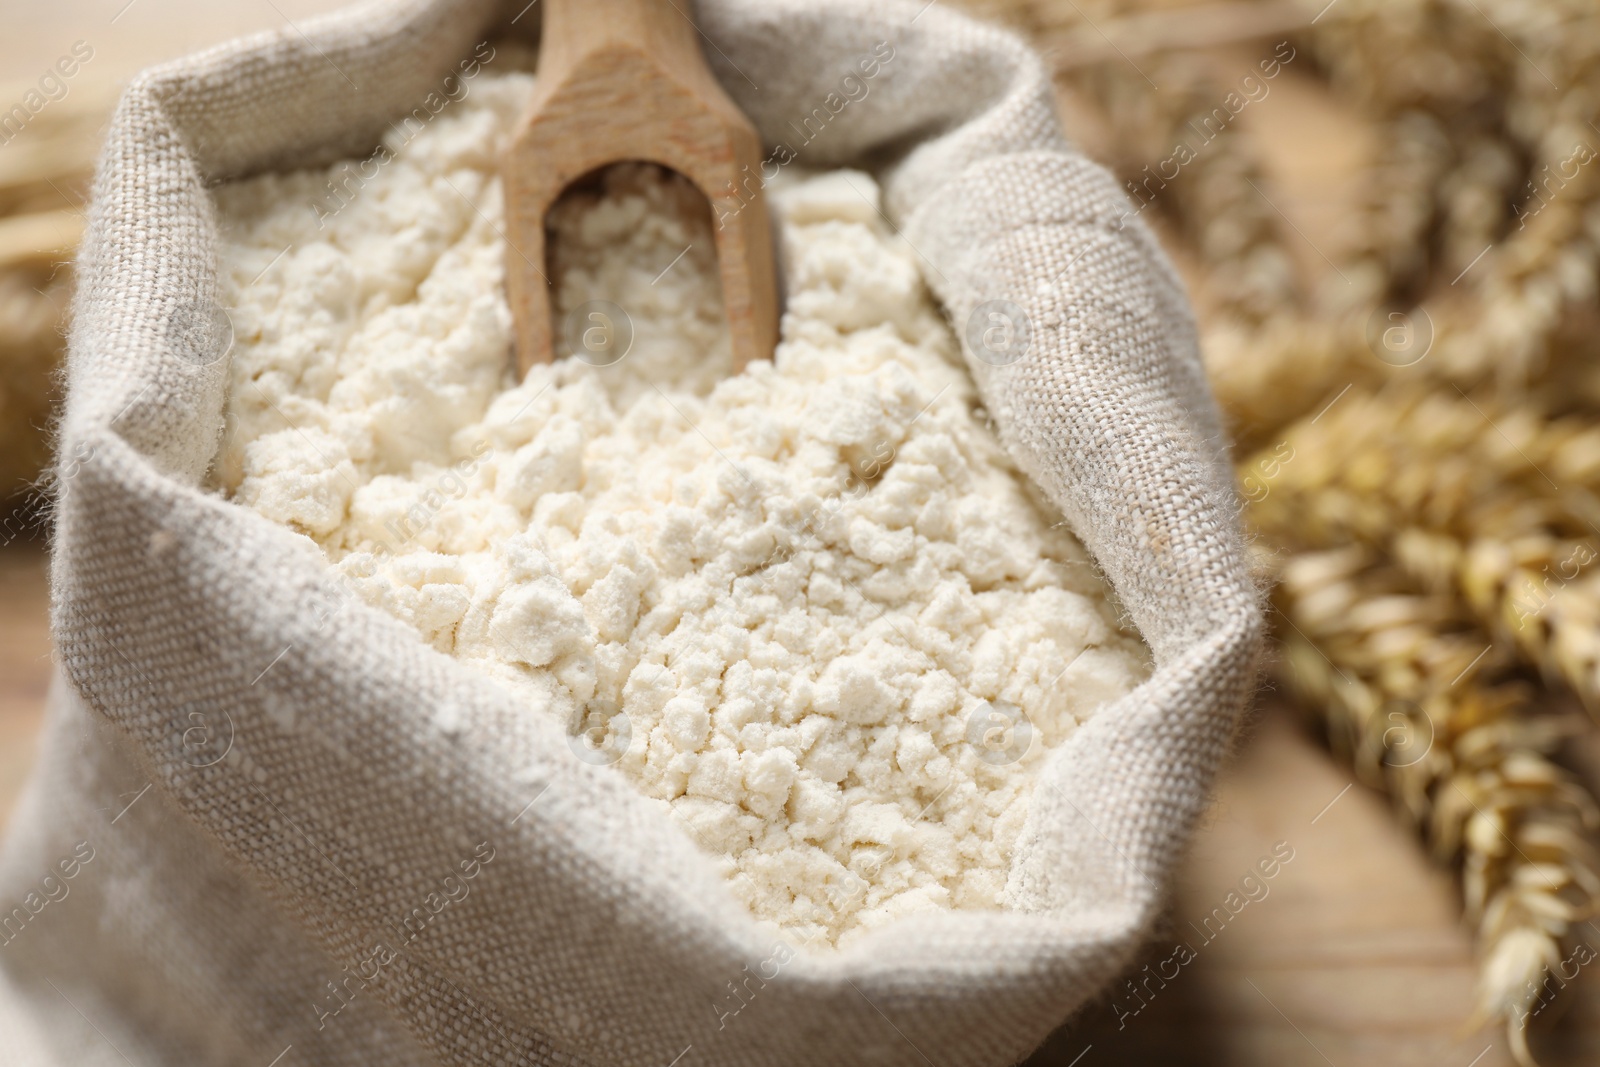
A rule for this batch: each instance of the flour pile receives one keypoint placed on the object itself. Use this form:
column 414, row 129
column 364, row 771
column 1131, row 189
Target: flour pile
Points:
column 813, row 610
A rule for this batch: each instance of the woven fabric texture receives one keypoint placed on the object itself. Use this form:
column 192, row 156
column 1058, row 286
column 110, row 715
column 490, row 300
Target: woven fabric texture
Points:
column 283, row 791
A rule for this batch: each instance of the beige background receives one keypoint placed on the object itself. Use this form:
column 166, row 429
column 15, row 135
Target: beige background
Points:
column 126, row 37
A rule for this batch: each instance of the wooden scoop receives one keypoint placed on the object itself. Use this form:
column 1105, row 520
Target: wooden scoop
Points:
column 622, row 80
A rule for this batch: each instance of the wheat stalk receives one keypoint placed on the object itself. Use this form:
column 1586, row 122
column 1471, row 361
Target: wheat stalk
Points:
column 1403, row 681
column 1457, row 509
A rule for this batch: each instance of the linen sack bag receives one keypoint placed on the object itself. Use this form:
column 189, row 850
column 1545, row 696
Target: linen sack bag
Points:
column 294, row 831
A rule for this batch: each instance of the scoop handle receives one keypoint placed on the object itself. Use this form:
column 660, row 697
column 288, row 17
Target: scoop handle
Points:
column 574, row 29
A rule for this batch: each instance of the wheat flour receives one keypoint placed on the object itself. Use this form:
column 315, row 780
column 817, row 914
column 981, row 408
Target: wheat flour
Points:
column 813, row 610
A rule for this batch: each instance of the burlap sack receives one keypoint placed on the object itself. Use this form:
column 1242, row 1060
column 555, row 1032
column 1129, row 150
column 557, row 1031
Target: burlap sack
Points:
column 371, row 815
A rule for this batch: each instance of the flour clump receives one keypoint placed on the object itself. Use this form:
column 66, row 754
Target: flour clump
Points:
column 813, row 610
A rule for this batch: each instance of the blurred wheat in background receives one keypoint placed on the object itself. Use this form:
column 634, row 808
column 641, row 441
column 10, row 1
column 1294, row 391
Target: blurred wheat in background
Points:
column 1407, row 371
column 1413, row 402
column 41, row 218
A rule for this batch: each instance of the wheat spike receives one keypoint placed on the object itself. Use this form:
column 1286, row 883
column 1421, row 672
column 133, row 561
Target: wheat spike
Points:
column 1404, row 683
column 1454, row 507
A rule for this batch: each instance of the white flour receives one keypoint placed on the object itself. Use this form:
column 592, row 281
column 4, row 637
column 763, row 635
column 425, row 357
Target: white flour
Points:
column 818, row 592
